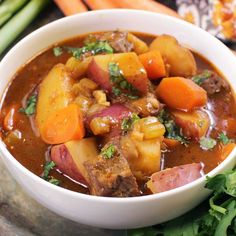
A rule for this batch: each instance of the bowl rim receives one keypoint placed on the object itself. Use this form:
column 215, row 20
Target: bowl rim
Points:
column 4, row 151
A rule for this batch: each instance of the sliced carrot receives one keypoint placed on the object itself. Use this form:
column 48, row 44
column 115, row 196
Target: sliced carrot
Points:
column 171, row 143
column 63, row 125
column 148, row 5
column 226, row 150
column 154, row 64
column 71, row 7
column 181, row 93
column 101, row 4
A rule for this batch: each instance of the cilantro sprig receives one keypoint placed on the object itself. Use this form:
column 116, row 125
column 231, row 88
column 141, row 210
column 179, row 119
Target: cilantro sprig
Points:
column 108, row 151
column 46, row 173
column 128, row 122
column 120, row 83
column 200, row 78
column 215, row 217
column 30, row 106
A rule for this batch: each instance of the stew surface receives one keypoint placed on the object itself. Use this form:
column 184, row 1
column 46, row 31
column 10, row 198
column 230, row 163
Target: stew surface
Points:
column 119, row 114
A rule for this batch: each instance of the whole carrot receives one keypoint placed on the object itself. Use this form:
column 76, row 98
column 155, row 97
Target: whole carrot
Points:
column 101, row 4
column 71, row 7
column 148, row 5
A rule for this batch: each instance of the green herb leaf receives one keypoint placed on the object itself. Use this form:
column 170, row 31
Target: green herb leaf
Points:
column 54, row 181
column 224, row 139
column 57, row 51
column 199, row 79
column 30, row 106
column 108, row 152
column 127, row 123
column 120, row 83
column 207, row 143
column 172, row 130
column 47, row 168
column 94, row 48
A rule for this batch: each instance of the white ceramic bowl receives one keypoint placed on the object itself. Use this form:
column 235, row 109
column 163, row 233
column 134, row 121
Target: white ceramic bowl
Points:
column 116, row 213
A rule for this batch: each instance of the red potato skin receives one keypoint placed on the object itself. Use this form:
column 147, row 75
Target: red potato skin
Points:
column 129, row 64
column 65, row 163
column 99, row 76
column 117, row 112
column 175, row 177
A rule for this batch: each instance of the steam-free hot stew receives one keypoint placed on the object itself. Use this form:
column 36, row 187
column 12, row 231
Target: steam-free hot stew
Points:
column 119, row 114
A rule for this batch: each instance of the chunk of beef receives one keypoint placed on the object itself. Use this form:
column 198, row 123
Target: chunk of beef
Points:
column 111, row 177
column 175, row 177
column 117, row 39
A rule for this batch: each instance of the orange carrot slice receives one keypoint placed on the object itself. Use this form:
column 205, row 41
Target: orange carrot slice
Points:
column 154, row 64
column 71, row 7
column 101, row 4
column 181, row 93
column 63, row 125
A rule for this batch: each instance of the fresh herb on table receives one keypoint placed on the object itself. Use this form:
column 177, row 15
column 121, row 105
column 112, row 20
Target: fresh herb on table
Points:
column 120, row 83
column 108, row 152
column 46, row 171
column 94, row 48
column 224, row 139
column 207, row 143
column 200, row 78
column 30, row 106
column 127, row 123
column 57, row 51
column 215, row 217
column 172, row 130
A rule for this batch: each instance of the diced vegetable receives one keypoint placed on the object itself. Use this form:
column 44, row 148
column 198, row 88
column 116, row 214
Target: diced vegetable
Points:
column 84, row 103
column 101, row 97
column 174, row 177
column 100, row 125
column 129, row 64
column 142, row 156
column 207, row 143
column 180, row 59
column 63, row 125
column 139, row 45
column 84, row 87
column 194, row 124
column 226, row 150
column 181, row 93
column 153, row 64
column 171, row 143
column 54, row 93
column 71, row 156
column 78, row 68
column 13, row 138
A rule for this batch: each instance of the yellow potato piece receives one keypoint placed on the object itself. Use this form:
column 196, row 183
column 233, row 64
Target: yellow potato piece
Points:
column 180, row 59
column 139, row 45
column 54, row 93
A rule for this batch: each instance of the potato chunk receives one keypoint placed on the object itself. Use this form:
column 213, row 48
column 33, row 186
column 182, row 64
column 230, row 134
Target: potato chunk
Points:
column 180, row 59
column 54, row 93
column 194, row 124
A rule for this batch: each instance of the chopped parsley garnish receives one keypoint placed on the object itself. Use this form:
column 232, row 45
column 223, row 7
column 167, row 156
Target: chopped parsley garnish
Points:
column 57, row 51
column 200, row 78
column 94, row 48
column 172, row 130
column 30, row 106
column 224, row 139
column 127, row 123
column 108, row 152
column 46, row 171
column 120, row 83
column 207, row 143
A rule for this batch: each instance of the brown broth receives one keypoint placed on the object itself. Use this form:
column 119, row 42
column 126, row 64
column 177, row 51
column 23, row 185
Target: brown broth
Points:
column 30, row 150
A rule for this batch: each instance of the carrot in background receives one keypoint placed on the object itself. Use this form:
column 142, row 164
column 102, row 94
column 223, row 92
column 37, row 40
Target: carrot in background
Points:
column 63, row 125
column 153, row 64
column 71, row 7
column 101, row 4
column 148, row 5
column 181, row 93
